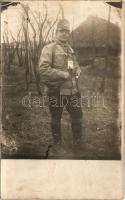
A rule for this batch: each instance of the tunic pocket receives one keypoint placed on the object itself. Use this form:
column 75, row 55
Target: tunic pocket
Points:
column 60, row 60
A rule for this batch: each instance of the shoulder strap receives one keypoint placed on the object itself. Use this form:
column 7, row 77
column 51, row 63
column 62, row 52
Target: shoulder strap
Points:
column 71, row 50
column 53, row 53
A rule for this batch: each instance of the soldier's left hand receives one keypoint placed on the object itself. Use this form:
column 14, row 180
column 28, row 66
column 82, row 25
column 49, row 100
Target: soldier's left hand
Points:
column 78, row 73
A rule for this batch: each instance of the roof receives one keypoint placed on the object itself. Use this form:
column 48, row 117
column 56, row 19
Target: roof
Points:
column 5, row 5
column 93, row 31
column 115, row 4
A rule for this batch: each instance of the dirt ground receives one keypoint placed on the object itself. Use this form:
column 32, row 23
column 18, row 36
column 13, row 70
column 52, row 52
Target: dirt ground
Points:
column 26, row 123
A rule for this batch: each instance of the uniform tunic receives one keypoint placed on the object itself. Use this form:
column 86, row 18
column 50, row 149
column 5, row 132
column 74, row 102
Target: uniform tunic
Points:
column 53, row 66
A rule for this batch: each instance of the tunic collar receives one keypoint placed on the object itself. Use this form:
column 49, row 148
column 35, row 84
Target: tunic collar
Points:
column 65, row 46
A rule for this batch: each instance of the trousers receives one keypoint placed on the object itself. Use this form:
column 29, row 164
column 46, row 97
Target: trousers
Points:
column 72, row 104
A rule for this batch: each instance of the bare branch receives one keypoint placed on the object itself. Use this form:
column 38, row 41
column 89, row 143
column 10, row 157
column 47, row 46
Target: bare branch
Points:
column 46, row 37
column 45, row 18
column 38, row 24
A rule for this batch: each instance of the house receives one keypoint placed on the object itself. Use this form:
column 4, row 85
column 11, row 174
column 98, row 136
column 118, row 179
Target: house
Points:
column 90, row 39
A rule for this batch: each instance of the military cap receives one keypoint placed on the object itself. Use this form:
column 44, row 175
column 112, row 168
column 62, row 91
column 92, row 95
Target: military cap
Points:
column 63, row 24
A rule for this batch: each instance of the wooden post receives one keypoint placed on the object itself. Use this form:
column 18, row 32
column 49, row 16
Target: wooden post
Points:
column 107, row 51
column 93, row 42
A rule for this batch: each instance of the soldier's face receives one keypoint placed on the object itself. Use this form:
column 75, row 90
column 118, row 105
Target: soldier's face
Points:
column 63, row 35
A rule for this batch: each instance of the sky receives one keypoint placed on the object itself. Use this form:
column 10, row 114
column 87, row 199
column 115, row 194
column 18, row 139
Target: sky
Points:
column 75, row 11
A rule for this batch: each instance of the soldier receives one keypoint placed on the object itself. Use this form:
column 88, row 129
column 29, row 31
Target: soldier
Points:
column 60, row 71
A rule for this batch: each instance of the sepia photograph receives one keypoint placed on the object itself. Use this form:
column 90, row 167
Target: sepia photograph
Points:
column 61, row 80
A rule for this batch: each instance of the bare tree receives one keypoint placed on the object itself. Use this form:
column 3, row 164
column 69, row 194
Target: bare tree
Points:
column 42, row 28
column 18, row 46
column 8, row 50
column 26, row 58
column 36, row 30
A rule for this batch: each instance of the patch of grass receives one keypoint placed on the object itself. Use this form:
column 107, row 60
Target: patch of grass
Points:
column 27, row 131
